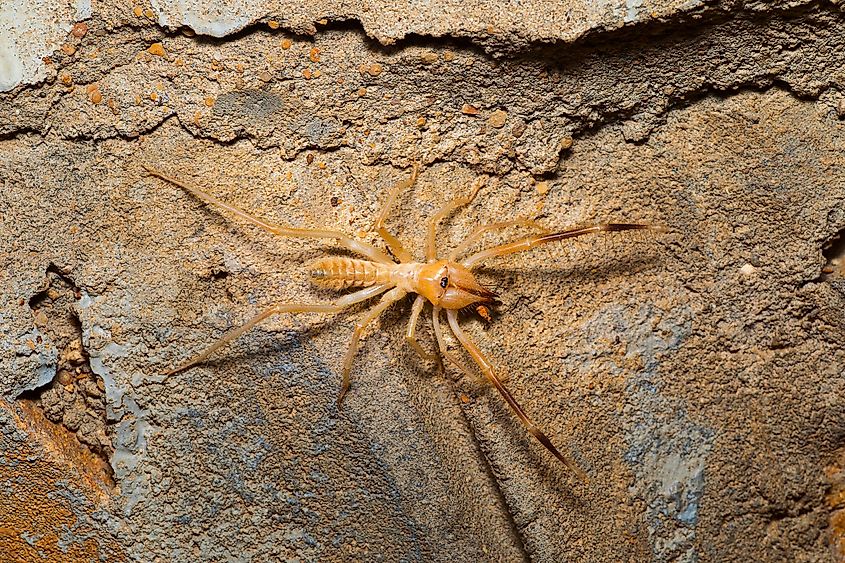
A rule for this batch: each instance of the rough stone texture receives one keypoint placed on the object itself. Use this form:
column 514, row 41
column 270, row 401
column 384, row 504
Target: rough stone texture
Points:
column 30, row 31
column 697, row 376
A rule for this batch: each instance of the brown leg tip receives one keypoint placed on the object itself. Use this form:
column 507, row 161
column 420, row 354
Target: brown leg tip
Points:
column 340, row 398
column 178, row 369
column 582, row 476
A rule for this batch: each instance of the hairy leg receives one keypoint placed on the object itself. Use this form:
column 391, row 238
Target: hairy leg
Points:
column 393, row 243
column 410, row 334
column 386, row 301
column 438, row 334
column 479, row 232
column 335, row 307
column 532, row 242
column 487, row 369
column 431, row 243
column 343, row 240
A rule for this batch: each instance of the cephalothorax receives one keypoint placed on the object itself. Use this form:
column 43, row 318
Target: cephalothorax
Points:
column 448, row 284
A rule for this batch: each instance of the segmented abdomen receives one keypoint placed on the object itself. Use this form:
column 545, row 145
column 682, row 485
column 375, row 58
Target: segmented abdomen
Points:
column 340, row 273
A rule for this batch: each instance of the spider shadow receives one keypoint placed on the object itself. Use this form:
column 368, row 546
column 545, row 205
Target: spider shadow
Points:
column 604, row 269
column 270, row 344
column 543, row 467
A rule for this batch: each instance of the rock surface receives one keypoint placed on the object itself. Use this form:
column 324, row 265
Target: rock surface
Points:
column 697, row 376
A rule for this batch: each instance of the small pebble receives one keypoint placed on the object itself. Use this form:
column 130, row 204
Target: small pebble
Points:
column 79, row 30
column 497, row 118
column 428, row 57
column 64, row 377
column 157, row 49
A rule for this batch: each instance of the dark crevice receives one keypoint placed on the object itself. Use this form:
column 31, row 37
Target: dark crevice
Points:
column 834, row 253
column 679, row 22
column 218, row 273
column 21, row 132
column 75, row 398
column 688, row 29
column 131, row 136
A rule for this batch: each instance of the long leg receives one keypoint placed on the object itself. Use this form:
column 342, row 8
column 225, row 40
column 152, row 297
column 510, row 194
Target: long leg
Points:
column 335, row 307
column 343, row 240
column 393, row 243
column 479, row 232
column 438, row 334
column 531, row 242
column 410, row 334
column 386, row 301
column 430, row 243
column 487, row 369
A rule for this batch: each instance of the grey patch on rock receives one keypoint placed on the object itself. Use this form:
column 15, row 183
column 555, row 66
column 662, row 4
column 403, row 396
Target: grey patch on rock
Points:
column 667, row 450
column 668, row 453
column 252, row 104
column 318, row 130
column 44, row 355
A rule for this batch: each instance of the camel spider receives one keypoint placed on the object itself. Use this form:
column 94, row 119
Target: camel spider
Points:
column 448, row 285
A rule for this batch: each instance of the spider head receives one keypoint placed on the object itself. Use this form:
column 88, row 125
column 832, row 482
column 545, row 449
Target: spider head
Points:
column 451, row 286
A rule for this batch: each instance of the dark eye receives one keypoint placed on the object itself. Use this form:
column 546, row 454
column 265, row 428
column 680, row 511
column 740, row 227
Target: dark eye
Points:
column 444, row 282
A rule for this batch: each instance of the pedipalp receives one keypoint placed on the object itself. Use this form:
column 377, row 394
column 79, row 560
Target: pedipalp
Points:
column 528, row 243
